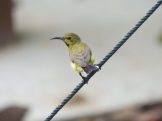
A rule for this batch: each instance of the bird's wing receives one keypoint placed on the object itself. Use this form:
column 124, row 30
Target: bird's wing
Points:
column 92, row 59
column 81, row 57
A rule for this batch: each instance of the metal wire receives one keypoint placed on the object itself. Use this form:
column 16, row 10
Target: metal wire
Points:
column 104, row 60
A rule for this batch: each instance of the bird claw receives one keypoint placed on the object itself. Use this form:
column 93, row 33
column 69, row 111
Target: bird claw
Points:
column 84, row 78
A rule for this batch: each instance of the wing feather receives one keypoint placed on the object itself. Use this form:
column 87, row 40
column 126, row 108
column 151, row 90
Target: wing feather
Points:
column 82, row 57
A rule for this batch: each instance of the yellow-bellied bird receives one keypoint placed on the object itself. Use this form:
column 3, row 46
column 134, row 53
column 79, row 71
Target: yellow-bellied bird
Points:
column 82, row 59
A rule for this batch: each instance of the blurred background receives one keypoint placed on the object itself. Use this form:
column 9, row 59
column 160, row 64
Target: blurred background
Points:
column 35, row 73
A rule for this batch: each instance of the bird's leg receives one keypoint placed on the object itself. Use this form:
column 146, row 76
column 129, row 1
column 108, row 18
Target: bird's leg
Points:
column 84, row 78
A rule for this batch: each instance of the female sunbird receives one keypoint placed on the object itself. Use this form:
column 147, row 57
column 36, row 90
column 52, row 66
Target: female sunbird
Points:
column 80, row 54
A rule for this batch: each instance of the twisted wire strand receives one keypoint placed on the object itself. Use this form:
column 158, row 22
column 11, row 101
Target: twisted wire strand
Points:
column 104, row 60
column 130, row 33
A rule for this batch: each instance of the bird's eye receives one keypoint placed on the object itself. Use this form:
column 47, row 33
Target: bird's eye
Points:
column 69, row 38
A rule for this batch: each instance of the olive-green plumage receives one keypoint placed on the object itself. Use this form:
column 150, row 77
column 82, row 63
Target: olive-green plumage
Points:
column 80, row 54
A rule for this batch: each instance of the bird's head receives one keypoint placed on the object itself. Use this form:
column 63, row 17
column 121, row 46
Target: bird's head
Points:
column 70, row 39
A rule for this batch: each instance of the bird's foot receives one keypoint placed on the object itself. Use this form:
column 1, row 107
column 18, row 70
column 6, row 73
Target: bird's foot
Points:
column 84, row 78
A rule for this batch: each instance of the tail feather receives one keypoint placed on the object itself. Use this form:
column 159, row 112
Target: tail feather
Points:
column 88, row 69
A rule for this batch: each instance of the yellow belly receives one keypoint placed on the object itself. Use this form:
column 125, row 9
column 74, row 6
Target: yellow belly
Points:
column 76, row 67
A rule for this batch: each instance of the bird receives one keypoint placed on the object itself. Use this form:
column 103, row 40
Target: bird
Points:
column 82, row 59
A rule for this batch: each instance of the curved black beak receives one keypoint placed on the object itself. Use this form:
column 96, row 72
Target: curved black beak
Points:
column 60, row 38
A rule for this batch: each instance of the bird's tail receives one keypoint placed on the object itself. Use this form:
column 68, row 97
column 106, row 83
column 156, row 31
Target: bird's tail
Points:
column 90, row 68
